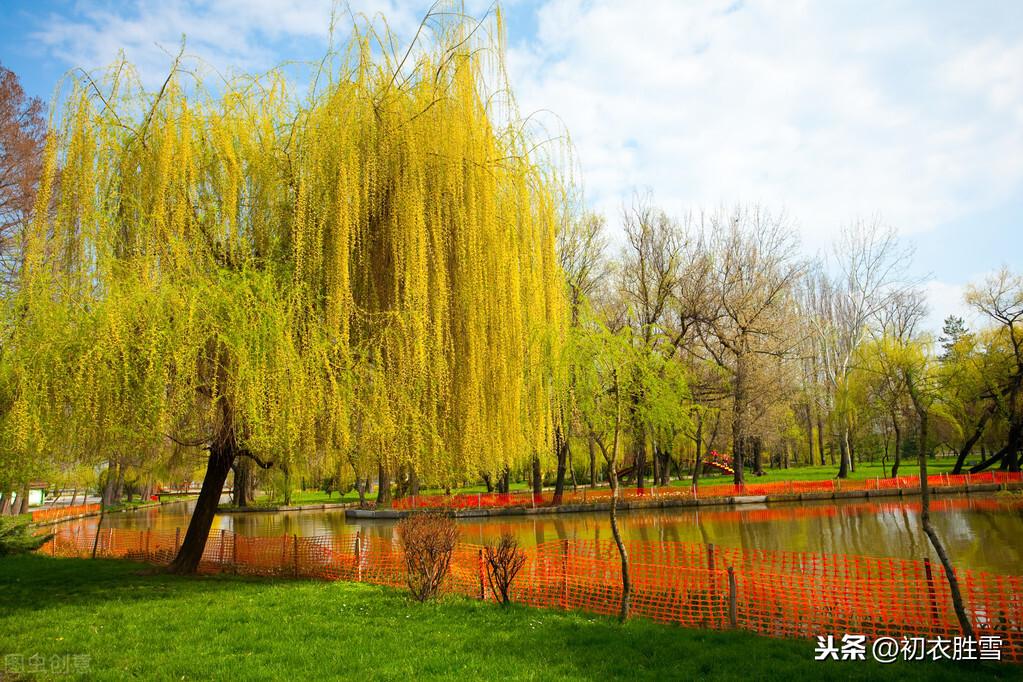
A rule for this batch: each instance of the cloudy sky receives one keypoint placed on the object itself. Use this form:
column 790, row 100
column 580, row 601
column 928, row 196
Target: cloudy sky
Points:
column 911, row 112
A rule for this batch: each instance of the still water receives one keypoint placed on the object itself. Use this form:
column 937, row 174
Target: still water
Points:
column 980, row 532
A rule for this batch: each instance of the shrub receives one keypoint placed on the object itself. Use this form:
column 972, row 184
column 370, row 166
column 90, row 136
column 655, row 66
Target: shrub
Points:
column 428, row 541
column 503, row 562
column 16, row 537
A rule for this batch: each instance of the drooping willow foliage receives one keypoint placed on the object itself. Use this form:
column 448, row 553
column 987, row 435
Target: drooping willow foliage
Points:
column 366, row 273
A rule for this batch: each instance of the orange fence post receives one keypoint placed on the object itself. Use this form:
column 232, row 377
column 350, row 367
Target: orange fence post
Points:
column 564, row 574
column 294, row 538
column 358, row 556
column 733, row 618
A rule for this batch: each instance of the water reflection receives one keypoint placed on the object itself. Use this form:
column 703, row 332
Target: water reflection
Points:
column 980, row 532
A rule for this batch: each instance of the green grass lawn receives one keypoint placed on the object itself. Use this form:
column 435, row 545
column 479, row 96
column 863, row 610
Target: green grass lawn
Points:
column 133, row 623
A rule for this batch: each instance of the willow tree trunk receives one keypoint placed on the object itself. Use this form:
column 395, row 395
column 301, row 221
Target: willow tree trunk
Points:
column 623, row 613
column 698, row 439
column 843, row 452
column 640, row 458
column 964, row 452
column 383, row 487
column 242, row 473
column 593, row 461
column 898, row 446
column 108, row 484
column 217, row 467
column 1015, row 440
column 932, row 535
column 559, row 480
column 413, row 481
column 5, row 503
column 537, row 476
column 22, row 501
column 360, row 487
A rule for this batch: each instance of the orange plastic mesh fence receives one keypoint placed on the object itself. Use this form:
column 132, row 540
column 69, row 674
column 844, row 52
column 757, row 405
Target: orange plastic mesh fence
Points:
column 55, row 513
column 591, row 495
column 781, row 594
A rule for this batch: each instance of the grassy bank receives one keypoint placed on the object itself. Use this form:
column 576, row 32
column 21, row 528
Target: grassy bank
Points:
column 132, row 623
column 864, row 470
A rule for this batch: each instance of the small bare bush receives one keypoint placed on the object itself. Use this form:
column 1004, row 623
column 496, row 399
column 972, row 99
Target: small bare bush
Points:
column 503, row 562
column 428, row 541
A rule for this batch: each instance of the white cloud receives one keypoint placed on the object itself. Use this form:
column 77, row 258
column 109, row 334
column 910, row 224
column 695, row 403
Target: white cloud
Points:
column 944, row 299
column 227, row 35
column 832, row 113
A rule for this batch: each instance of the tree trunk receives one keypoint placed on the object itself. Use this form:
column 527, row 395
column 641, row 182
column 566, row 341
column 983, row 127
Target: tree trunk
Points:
column 809, row 435
column 242, row 471
column 964, row 451
column 640, row 458
column 737, row 456
column 22, row 501
column 488, row 482
column 6, row 507
column 623, row 614
column 571, row 466
column 820, row 438
column 593, row 461
column 360, row 487
column 1012, row 446
column 758, row 466
column 843, row 450
column 383, row 487
column 537, row 476
column 108, row 484
column 413, row 481
column 559, row 480
column 925, row 518
column 217, row 467
column 898, row 446
column 852, row 448
column 738, row 426
column 119, row 488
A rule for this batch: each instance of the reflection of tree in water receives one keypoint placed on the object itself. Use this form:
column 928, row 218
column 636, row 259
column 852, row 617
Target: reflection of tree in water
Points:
column 981, row 529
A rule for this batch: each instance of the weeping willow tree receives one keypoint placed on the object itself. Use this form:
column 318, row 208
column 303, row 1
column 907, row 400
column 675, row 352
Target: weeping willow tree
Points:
column 366, row 272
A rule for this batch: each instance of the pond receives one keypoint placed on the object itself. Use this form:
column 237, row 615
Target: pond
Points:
column 981, row 532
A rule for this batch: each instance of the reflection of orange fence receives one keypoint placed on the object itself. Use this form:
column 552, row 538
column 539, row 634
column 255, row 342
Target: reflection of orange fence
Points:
column 596, row 495
column 781, row 594
column 56, row 513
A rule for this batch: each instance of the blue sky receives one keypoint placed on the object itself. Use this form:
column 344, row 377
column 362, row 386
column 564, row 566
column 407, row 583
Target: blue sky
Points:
column 831, row 111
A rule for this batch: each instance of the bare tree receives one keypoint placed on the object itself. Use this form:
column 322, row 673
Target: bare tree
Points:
column 649, row 277
column 22, row 136
column 582, row 247
column 870, row 275
column 752, row 280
